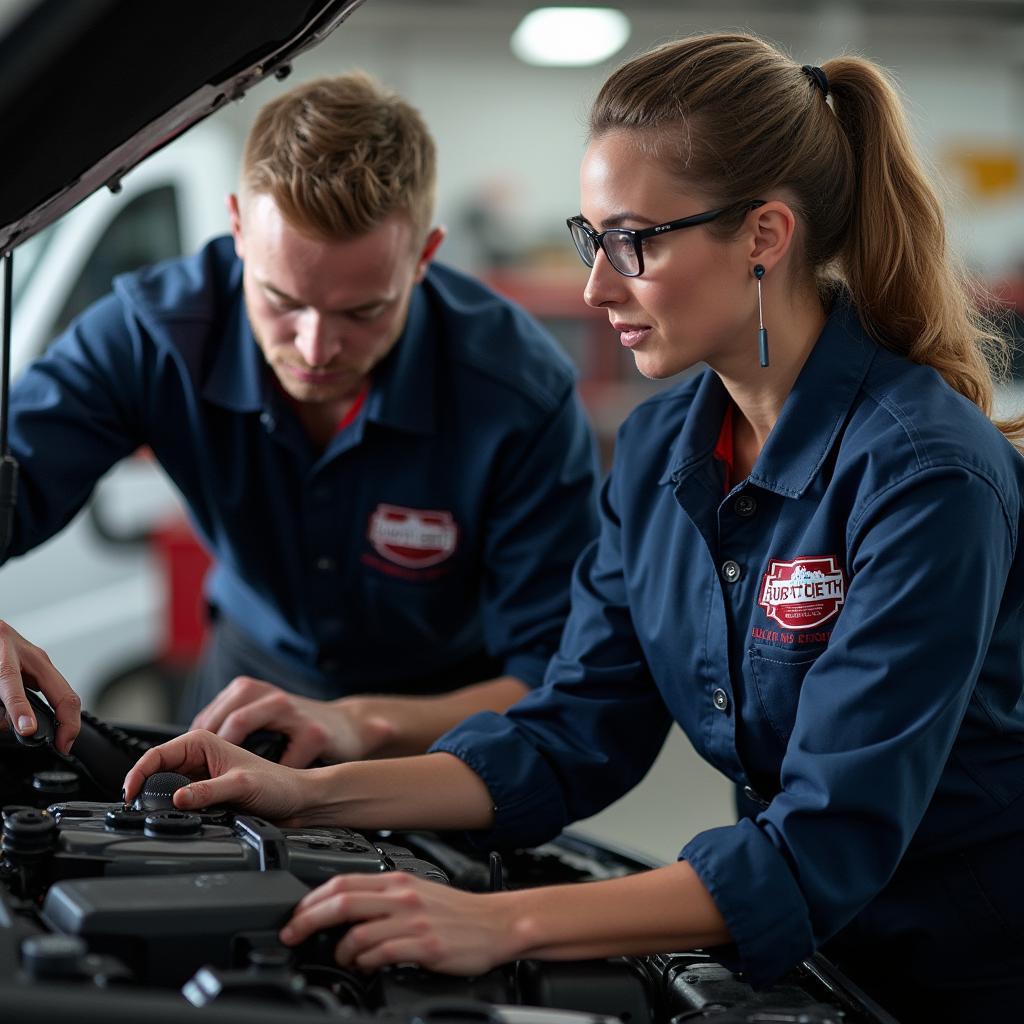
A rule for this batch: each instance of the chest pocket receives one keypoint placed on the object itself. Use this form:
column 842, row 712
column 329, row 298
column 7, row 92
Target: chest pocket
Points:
column 778, row 677
column 417, row 614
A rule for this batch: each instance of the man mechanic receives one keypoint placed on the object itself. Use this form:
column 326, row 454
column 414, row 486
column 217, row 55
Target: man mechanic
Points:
column 388, row 463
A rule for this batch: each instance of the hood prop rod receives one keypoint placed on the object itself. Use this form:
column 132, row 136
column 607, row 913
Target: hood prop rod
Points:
column 8, row 464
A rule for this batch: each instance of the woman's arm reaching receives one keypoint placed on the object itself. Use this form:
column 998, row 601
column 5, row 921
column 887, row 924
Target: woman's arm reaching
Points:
column 397, row 918
column 429, row 791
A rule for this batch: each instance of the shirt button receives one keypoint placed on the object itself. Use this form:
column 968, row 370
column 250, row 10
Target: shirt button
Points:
column 720, row 699
column 325, row 564
column 745, row 505
column 731, row 571
column 268, row 421
column 754, row 797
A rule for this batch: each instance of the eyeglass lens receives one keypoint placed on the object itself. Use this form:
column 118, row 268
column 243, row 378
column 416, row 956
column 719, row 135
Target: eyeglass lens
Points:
column 618, row 247
column 621, row 252
column 584, row 243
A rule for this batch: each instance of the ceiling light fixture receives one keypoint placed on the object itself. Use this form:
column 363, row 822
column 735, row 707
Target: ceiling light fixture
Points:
column 570, row 36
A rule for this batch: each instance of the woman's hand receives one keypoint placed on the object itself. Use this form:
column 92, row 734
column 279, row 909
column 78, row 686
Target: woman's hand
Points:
column 226, row 774
column 23, row 663
column 398, row 918
column 330, row 730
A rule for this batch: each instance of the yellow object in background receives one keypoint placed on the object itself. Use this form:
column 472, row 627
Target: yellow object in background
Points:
column 987, row 172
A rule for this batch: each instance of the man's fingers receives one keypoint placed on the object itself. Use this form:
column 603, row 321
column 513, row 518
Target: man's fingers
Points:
column 308, row 739
column 301, row 752
column 214, row 713
column 17, row 706
column 12, row 687
column 21, row 662
column 245, row 720
column 242, row 690
column 67, row 709
column 278, row 712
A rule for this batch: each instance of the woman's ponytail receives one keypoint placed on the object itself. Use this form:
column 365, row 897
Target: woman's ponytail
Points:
column 894, row 259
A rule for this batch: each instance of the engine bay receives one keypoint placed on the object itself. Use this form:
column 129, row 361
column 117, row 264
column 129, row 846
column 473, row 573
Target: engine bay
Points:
column 115, row 912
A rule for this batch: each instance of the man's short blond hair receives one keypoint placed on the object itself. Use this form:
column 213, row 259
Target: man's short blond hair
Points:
column 339, row 155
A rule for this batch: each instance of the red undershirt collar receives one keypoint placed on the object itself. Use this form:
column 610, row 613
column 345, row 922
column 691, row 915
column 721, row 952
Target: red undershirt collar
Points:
column 353, row 410
column 724, row 449
column 349, row 418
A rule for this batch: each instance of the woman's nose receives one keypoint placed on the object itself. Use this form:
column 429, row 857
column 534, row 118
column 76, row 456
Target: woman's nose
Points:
column 606, row 285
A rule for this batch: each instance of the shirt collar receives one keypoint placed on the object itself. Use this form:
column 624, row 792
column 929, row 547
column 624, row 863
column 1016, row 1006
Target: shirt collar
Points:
column 811, row 417
column 237, row 378
column 699, row 435
column 401, row 395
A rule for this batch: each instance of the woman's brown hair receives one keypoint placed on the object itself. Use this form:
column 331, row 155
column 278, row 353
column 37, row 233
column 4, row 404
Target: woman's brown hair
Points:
column 737, row 119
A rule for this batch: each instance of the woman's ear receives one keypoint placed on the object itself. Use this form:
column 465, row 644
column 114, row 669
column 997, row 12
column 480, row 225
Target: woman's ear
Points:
column 771, row 228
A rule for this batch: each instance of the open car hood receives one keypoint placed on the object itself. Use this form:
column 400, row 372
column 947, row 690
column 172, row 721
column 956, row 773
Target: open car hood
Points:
column 90, row 89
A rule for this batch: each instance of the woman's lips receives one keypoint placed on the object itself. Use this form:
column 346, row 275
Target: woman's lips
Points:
column 631, row 334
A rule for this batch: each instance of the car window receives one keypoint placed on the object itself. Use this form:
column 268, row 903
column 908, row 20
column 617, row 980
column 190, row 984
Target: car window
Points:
column 147, row 230
column 29, row 255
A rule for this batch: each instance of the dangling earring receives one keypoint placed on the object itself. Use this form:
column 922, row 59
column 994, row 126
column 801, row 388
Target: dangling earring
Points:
column 762, row 334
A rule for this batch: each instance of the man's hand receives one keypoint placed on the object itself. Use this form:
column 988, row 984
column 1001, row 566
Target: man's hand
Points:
column 226, row 774
column 331, row 731
column 351, row 728
column 398, row 918
column 21, row 664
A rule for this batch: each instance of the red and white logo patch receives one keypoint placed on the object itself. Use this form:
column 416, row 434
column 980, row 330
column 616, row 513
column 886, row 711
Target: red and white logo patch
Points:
column 803, row 593
column 412, row 537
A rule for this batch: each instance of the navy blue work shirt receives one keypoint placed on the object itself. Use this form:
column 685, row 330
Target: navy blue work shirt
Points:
column 441, row 524
column 842, row 631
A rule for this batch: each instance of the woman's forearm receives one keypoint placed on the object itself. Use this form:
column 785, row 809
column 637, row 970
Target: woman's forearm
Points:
column 436, row 791
column 666, row 909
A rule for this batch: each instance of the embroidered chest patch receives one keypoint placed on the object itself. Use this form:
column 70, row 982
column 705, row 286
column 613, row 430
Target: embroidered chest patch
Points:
column 412, row 537
column 804, row 593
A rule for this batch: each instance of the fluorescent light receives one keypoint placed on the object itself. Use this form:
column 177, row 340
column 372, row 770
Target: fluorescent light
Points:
column 570, row 36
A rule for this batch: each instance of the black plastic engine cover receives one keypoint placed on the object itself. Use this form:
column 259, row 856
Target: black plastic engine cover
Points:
column 144, row 922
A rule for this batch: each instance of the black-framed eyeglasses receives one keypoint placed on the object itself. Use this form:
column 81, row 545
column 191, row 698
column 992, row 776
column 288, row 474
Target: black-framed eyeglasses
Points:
column 624, row 246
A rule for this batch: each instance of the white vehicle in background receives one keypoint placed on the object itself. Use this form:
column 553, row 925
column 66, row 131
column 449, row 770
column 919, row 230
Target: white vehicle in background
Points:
column 95, row 597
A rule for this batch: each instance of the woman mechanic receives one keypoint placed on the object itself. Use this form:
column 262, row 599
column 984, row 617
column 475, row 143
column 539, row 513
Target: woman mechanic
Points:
column 809, row 559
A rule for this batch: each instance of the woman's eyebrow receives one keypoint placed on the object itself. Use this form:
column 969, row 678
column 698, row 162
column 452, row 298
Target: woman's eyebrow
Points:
column 616, row 220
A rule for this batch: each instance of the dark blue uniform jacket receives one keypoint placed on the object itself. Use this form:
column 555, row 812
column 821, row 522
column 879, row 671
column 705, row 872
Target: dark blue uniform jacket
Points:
column 443, row 523
column 842, row 631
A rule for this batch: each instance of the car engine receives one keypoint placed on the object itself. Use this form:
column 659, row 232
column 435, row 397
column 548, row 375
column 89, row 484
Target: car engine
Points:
column 114, row 912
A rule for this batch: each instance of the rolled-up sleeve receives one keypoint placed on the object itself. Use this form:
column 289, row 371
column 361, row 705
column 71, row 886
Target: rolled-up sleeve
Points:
column 877, row 718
